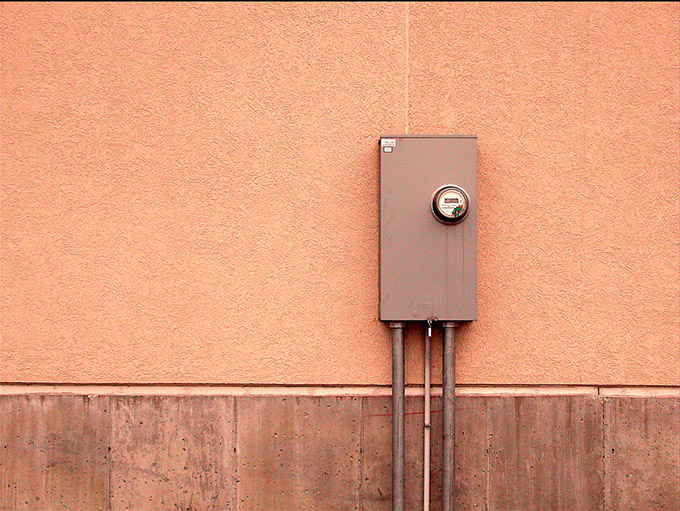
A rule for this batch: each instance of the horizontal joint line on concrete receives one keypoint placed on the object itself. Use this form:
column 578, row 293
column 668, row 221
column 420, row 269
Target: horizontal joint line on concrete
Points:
column 339, row 390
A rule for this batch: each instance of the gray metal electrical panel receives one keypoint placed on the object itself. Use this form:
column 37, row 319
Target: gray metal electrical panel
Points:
column 428, row 228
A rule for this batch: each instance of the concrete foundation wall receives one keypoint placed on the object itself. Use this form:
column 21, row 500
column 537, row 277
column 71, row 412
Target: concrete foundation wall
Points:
column 514, row 453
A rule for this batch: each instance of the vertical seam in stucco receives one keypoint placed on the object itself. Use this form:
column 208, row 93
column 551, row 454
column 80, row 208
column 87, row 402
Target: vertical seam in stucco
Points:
column 408, row 66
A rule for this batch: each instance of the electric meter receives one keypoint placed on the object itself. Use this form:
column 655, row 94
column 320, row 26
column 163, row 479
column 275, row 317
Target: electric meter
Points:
column 428, row 241
column 450, row 204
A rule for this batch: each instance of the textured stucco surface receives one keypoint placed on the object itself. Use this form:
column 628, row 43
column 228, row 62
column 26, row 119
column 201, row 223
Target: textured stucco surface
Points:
column 576, row 109
column 190, row 192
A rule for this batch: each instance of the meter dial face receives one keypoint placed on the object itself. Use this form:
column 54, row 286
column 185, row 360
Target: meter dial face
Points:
column 450, row 204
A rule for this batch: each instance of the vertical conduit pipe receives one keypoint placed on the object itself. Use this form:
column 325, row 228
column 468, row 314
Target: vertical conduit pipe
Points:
column 449, row 417
column 427, row 423
column 397, row 415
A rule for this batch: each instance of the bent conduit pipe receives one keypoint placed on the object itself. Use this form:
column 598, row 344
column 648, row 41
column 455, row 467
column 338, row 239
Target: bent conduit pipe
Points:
column 397, row 415
column 449, row 417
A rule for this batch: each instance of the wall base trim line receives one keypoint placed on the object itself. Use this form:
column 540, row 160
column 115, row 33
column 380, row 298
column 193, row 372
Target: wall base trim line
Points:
column 655, row 392
column 358, row 390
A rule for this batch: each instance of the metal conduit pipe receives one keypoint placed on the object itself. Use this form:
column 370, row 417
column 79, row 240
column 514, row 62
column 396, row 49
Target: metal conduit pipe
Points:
column 398, row 401
column 427, row 422
column 449, row 417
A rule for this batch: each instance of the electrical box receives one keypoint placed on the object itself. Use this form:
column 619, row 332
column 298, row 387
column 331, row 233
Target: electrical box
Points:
column 428, row 228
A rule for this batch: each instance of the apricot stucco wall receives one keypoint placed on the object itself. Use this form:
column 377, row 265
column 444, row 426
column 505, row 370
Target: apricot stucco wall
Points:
column 190, row 192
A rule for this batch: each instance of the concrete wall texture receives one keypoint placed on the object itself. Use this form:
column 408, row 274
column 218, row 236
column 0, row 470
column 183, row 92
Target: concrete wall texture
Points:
column 153, row 453
column 190, row 192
